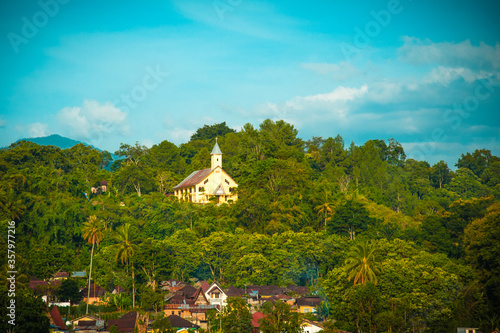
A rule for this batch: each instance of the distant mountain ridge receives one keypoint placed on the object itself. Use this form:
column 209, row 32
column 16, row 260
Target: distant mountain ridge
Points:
column 55, row 140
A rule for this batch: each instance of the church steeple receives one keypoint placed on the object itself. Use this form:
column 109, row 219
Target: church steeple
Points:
column 216, row 156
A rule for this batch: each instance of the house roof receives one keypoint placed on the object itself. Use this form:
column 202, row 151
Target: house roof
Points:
column 178, row 322
column 216, row 150
column 83, row 318
column 266, row 290
column 232, row 291
column 310, row 323
column 56, row 317
column 199, row 293
column 204, row 285
column 94, row 292
column 78, row 274
column 255, row 318
column 36, row 283
column 177, row 299
column 126, row 323
column 308, row 301
column 188, row 291
column 62, row 274
column 194, row 178
column 214, row 285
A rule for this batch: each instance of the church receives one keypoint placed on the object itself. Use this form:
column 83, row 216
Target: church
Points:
column 207, row 185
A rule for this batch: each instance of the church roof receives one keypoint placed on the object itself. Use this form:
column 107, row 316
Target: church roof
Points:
column 194, row 178
column 216, row 150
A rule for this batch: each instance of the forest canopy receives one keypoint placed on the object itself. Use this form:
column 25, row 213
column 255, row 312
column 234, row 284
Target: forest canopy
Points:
column 307, row 211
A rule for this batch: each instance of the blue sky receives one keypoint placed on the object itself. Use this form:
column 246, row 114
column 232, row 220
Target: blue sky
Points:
column 425, row 73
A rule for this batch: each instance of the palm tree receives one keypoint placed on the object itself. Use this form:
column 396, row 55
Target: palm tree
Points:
column 326, row 208
column 93, row 232
column 125, row 249
column 362, row 264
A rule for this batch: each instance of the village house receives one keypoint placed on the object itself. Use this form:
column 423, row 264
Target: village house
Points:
column 307, row 304
column 95, row 296
column 310, row 326
column 182, row 325
column 215, row 294
column 192, row 307
column 56, row 322
column 87, row 323
column 211, row 184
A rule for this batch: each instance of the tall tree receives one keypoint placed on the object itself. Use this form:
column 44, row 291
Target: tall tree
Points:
column 235, row 317
column 93, row 232
column 482, row 251
column 350, row 218
column 362, row 263
column 326, row 208
column 279, row 318
column 440, row 174
column 210, row 132
column 125, row 248
column 476, row 162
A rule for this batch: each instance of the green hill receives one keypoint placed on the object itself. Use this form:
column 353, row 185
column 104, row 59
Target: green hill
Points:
column 54, row 140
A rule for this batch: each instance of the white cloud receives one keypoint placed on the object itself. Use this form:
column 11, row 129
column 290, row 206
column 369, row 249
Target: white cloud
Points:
column 446, row 75
column 339, row 95
column 3, row 122
column 92, row 121
column 463, row 54
column 36, row 130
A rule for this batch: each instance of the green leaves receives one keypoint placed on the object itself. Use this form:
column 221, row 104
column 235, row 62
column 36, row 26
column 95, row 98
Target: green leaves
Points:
column 362, row 263
column 279, row 318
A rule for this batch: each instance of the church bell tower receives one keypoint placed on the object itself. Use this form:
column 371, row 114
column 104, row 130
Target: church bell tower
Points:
column 216, row 155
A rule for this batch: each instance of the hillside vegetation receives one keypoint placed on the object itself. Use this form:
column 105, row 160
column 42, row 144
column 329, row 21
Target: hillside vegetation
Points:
column 392, row 244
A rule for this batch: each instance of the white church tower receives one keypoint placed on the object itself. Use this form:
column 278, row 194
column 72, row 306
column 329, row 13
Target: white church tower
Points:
column 216, row 156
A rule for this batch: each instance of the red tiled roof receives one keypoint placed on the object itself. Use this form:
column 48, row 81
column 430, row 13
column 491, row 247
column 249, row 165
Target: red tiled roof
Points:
column 255, row 318
column 204, row 286
column 34, row 284
column 56, row 316
column 194, row 178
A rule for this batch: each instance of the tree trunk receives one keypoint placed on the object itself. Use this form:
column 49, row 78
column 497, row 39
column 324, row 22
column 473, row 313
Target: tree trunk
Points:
column 133, row 287
column 90, row 276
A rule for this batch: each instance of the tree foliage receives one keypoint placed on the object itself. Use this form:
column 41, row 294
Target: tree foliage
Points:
column 302, row 206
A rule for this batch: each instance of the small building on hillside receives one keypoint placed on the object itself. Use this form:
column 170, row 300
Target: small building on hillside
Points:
column 203, row 186
column 308, row 304
column 216, row 295
column 95, row 295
